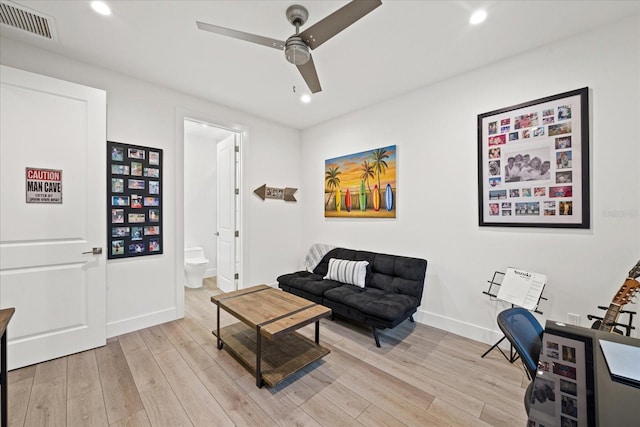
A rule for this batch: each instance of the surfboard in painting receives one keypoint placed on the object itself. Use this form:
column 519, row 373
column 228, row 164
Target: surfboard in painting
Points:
column 388, row 197
column 338, row 200
column 376, row 198
column 347, row 200
column 363, row 197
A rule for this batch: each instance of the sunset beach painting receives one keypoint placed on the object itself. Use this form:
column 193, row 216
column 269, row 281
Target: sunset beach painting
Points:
column 361, row 185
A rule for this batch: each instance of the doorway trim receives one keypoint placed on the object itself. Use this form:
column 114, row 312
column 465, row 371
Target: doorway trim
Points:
column 182, row 115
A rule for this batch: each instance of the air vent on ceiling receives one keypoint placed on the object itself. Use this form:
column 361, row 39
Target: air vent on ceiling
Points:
column 20, row 17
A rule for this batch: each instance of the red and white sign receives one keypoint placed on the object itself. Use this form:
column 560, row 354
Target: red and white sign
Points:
column 44, row 185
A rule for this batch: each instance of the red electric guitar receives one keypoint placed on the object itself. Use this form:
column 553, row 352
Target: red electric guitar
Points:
column 622, row 297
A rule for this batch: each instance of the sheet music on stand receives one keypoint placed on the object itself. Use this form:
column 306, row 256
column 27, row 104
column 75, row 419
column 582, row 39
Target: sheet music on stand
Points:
column 522, row 288
column 519, row 288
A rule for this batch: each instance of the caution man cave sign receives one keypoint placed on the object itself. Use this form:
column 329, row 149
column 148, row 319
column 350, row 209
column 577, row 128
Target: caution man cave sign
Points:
column 44, row 185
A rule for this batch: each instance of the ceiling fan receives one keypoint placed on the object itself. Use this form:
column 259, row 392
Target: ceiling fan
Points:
column 296, row 48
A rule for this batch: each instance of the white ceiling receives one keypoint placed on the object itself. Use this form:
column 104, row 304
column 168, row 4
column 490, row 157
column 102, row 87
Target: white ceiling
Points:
column 400, row 46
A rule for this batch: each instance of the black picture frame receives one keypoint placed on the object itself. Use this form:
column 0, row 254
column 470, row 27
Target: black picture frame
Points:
column 134, row 200
column 515, row 189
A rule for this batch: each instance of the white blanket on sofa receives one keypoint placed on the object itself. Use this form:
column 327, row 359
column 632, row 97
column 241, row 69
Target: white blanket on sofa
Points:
column 315, row 255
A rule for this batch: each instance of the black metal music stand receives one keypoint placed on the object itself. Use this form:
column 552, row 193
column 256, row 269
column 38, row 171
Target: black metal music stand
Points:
column 493, row 295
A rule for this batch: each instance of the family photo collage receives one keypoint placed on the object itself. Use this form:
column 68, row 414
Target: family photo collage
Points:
column 531, row 169
column 134, row 202
column 524, row 181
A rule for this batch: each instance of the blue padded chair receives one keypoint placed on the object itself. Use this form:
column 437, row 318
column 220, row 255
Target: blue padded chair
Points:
column 524, row 332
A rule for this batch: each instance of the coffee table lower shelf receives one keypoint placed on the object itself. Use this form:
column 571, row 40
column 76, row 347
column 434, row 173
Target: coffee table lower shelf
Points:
column 280, row 358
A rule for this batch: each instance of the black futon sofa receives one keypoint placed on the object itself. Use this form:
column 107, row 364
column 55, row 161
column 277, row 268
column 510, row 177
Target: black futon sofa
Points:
column 391, row 294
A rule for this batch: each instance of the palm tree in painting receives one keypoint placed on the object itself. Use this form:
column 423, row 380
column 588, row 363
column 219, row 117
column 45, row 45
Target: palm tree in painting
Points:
column 379, row 164
column 367, row 172
column 331, row 176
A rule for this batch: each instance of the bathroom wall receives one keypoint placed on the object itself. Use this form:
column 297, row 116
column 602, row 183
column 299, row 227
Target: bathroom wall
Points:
column 200, row 190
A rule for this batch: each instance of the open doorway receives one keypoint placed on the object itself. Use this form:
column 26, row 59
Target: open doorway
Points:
column 212, row 202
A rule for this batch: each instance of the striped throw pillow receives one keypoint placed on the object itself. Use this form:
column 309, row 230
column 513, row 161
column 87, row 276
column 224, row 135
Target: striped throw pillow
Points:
column 351, row 272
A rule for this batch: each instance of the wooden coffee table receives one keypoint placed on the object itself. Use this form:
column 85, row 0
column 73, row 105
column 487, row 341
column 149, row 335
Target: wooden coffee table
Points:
column 269, row 313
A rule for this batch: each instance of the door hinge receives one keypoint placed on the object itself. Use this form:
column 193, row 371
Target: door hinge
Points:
column 236, row 276
column 237, row 191
column 237, row 233
column 237, row 147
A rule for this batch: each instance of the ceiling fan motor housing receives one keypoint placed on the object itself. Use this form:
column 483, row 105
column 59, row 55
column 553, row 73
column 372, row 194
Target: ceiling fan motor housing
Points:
column 296, row 51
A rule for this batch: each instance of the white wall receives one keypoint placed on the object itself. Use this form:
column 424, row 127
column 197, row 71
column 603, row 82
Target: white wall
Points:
column 149, row 290
column 200, row 180
column 435, row 131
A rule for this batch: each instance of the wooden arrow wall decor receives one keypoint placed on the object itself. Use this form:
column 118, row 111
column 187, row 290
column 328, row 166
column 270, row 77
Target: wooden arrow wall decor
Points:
column 285, row 194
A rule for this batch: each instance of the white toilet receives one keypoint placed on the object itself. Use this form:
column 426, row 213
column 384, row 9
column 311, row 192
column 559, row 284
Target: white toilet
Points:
column 195, row 265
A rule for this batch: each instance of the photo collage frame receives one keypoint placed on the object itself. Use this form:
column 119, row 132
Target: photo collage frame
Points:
column 134, row 200
column 562, row 393
column 533, row 163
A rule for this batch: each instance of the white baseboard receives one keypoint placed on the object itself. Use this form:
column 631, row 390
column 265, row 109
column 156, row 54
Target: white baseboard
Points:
column 131, row 324
column 457, row 327
column 454, row 326
column 210, row 272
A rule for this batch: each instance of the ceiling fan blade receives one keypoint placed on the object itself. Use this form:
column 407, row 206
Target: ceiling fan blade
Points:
column 323, row 30
column 310, row 76
column 265, row 41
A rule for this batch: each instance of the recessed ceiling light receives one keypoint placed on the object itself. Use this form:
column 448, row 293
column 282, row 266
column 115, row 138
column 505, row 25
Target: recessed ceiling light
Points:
column 306, row 98
column 101, row 8
column 477, row 17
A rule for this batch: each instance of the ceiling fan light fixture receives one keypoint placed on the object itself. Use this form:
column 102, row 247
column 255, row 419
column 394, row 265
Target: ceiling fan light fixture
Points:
column 296, row 51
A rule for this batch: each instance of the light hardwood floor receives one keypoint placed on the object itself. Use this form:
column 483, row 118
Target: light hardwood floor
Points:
column 173, row 375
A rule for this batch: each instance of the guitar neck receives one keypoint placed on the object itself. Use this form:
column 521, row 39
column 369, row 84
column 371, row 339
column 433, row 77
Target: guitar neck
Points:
column 626, row 292
column 611, row 317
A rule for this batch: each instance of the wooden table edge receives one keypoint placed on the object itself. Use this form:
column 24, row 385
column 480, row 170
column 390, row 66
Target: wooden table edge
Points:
column 267, row 329
column 228, row 295
column 5, row 316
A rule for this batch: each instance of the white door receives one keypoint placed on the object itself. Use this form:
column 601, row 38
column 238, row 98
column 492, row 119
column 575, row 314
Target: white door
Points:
column 226, row 214
column 57, row 289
